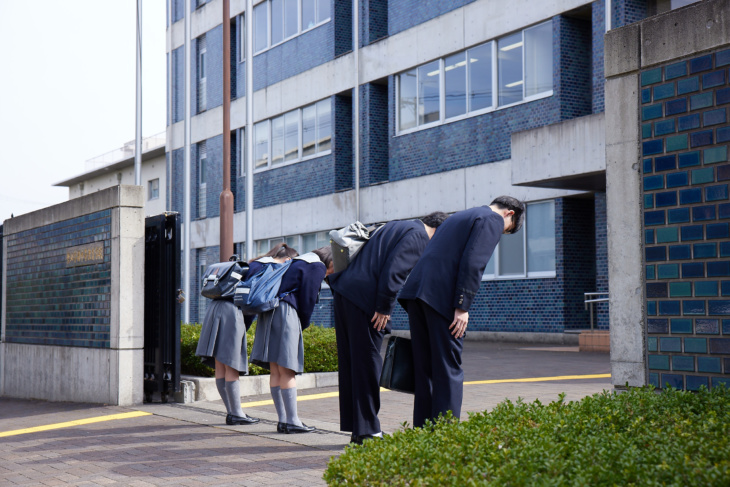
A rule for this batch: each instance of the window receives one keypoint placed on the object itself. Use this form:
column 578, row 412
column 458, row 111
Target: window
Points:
column 202, row 180
column 293, row 136
column 276, row 21
column 153, row 189
column 202, row 83
column 242, row 38
column 512, row 69
column 529, row 252
column 241, row 151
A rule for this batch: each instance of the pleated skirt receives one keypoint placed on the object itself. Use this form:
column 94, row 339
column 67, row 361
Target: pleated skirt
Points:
column 279, row 339
column 223, row 336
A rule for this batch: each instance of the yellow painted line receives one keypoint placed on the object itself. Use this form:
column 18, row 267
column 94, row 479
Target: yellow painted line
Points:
column 78, row 422
column 539, row 379
column 311, row 397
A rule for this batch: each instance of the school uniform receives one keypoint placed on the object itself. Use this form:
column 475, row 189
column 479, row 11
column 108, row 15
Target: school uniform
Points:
column 446, row 277
column 369, row 284
column 279, row 331
column 223, row 336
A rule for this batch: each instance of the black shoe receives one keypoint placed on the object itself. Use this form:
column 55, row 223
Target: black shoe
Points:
column 353, row 439
column 281, row 427
column 232, row 420
column 292, row 428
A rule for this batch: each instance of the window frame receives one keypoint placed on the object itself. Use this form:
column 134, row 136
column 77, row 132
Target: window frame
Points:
column 300, row 28
column 495, row 106
column 526, row 274
column 156, row 196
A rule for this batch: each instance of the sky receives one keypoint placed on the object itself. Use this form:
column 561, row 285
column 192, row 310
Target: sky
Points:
column 67, row 93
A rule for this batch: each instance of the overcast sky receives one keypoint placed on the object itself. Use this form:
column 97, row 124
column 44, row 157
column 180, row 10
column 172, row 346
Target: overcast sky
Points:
column 68, row 90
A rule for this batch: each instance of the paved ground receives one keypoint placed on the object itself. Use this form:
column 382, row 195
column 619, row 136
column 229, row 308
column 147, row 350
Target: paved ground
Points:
column 189, row 445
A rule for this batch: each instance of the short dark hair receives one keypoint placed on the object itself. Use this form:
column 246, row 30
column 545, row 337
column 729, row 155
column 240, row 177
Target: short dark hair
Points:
column 278, row 251
column 510, row 203
column 434, row 219
column 324, row 254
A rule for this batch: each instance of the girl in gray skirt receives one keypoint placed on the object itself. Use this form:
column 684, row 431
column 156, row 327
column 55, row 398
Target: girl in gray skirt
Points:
column 278, row 344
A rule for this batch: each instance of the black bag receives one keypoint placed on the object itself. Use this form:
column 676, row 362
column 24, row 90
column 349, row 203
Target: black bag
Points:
column 220, row 280
column 398, row 374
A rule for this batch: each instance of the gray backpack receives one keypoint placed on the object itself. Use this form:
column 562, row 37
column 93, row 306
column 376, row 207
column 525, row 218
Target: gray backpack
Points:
column 347, row 242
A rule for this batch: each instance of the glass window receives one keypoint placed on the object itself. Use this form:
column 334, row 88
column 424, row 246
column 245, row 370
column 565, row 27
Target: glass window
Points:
column 292, row 241
column 407, row 83
column 203, row 169
column 428, row 92
column 261, row 144
column 455, row 80
column 277, row 21
column 489, row 270
column 277, row 140
column 480, row 77
column 291, row 18
column 153, row 189
column 324, row 125
column 540, row 224
column 309, row 116
column 242, row 40
column 510, row 69
column 323, row 10
column 539, row 59
column 291, row 136
column 512, row 254
column 309, row 242
column 261, row 27
column 309, row 14
column 241, row 149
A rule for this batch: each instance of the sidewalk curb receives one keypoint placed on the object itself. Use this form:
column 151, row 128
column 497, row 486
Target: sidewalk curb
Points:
column 205, row 389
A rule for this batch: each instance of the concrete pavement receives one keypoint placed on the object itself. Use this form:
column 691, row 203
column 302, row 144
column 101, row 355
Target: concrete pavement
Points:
column 43, row 443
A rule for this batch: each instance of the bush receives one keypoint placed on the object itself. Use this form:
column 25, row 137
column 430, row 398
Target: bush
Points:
column 634, row 438
column 320, row 351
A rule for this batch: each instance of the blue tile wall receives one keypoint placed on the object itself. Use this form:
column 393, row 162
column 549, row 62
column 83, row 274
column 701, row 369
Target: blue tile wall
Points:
column 686, row 95
column 598, row 31
column 50, row 304
column 601, row 259
column 373, row 134
column 178, row 84
column 374, row 21
column 404, row 14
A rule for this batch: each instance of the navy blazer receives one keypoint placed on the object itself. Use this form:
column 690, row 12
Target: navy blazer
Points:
column 448, row 274
column 374, row 277
column 302, row 281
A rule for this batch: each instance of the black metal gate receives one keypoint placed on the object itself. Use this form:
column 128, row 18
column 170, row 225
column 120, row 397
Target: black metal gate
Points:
column 161, row 308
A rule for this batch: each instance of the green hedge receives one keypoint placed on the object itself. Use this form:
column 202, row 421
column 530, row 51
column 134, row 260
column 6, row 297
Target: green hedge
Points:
column 320, row 351
column 634, row 438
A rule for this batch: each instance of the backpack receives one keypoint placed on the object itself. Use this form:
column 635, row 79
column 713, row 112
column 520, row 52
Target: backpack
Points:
column 347, row 242
column 220, row 280
column 260, row 293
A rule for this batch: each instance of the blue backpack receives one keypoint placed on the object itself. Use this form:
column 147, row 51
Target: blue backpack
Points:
column 260, row 293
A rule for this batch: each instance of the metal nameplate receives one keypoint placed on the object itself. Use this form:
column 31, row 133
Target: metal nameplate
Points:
column 85, row 254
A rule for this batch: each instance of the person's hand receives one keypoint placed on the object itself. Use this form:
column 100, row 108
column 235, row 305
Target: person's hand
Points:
column 380, row 321
column 458, row 326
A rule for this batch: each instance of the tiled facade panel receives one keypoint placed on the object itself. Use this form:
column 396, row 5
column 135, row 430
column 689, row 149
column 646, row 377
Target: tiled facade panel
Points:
column 177, row 71
column 214, row 185
column 627, row 12
column 575, row 262
column 324, row 313
column 374, row 26
column 49, row 303
column 176, row 180
column 342, row 18
column 468, row 142
column 214, row 67
column 342, row 143
column 235, row 56
column 686, row 172
column 301, row 53
column 599, row 30
column 373, row 134
column 238, row 74
column 306, row 179
column 574, row 79
column 601, row 309
column 178, row 9
column 404, row 14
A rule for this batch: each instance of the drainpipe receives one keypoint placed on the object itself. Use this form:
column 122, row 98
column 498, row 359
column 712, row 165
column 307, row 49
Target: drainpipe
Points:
column 609, row 15
column 186, row 176
column 226, row 198
column 356, row 50
column 168, row 145
column 249, row 130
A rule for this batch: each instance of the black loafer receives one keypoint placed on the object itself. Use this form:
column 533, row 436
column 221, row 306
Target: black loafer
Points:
column 292, row 428
column 281, row 427
column 233, row 420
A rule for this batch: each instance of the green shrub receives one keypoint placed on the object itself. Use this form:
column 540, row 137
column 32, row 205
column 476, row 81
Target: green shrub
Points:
column 634, row 438
column 320, row 351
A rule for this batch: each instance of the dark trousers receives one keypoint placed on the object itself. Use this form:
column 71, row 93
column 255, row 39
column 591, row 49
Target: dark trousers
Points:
column 360, row 364
column 437, row 364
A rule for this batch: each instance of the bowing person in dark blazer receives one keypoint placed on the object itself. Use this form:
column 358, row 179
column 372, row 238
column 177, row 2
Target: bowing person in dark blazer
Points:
column 438, row 295
column 364, row 297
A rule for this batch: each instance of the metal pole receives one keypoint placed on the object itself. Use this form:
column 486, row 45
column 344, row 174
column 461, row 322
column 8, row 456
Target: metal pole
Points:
column 187, row 165
column 226, row 198
column 356, row 48
column 138, row 108
column 249, row 130
column 168, row 148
